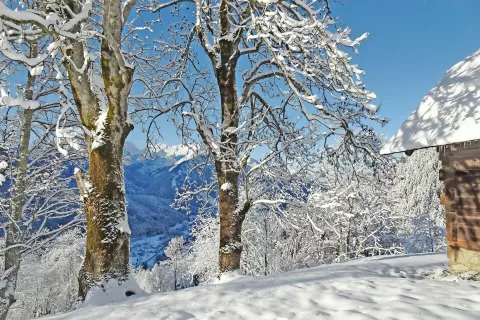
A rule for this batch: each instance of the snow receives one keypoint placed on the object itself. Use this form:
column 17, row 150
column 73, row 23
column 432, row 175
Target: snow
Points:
column 110, row 292
column 99, row 90
column 71, row 136
column 146, row 250
column 370, row 107
column 226, row 186
column 229, row 277
column 8, row 101
column 122, row 225
column 173, row 151
column 36, row 71
column 449, row 113
column 395, row 287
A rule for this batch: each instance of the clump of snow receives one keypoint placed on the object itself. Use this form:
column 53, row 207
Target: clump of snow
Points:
column 445, row 275
column 3, row 166
column 71, row 136
column 36, row 71
column 112, row 291
column 449, row 113
column 122, row 225
column 229, row 277
column 98, row 88
column 226, row 186
column 389, row 287
column 370, row 107
column 129, row 120
column 8, row 101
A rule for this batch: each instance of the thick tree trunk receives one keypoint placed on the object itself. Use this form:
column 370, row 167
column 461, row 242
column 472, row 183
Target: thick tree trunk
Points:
column 231, row 213
column 103, row 107
column 13, row 253
column 108, row 235
column 231, row 221
column 108, row 238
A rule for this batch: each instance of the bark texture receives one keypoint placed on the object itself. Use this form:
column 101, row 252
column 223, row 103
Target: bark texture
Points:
column 13, row 237
column 226, row 164
column 102, row 103
column 108, row 246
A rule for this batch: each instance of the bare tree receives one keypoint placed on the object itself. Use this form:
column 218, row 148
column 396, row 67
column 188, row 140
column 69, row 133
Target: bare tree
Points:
column 87, row 37
column 298, row 93
column 40, row 202
column 26, row 161
column 13, row 233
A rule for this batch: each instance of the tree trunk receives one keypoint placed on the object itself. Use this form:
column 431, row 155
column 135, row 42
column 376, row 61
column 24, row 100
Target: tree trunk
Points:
column 13, row 233
column 266, row 244
column 108, row 235
column 231, row 221
column 231, row 213
column 108, row 239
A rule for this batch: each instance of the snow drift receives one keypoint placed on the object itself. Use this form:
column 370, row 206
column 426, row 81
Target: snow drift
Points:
column 395, row 287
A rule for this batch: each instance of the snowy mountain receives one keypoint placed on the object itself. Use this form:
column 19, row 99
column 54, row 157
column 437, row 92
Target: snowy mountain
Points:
column 151, row 183
column 395, row 287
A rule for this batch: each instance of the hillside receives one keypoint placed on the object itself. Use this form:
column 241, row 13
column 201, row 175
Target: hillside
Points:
column 150, row 184
column 396, row 287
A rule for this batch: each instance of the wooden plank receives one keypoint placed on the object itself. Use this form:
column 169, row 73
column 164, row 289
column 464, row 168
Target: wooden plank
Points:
column 450, row 191
column 465, row 202
column 451, row 217
column 446, row 173
column 444, row 159
column 465, row 165
column 474, row 246
column 470, row 158
column 449, row 231
column 466, row 211
column 467, row 179
column 467, row 233
column 467, row 190
column 459, row 147
column 469, row 223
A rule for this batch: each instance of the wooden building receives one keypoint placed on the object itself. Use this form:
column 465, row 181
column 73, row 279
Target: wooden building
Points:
column 449, row 118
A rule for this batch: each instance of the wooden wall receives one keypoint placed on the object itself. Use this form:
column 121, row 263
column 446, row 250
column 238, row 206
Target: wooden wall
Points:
column 461, row 176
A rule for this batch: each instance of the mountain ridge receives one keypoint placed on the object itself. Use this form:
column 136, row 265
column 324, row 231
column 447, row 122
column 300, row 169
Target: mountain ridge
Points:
column 150, row 182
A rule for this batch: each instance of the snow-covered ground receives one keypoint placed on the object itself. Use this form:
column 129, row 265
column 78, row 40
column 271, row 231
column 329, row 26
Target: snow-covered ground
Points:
column 375, row 288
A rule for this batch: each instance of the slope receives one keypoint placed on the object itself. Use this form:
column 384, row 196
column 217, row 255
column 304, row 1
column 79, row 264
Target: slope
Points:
column 150, row 184
column 383, row 288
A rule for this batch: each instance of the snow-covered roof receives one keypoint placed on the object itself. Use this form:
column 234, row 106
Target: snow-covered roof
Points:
column 449, row 113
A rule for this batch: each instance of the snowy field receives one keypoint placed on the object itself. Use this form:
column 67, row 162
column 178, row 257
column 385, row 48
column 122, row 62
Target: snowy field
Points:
column 375, row 288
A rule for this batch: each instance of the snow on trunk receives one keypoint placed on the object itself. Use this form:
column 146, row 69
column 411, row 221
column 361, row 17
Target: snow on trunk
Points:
column 103, row 103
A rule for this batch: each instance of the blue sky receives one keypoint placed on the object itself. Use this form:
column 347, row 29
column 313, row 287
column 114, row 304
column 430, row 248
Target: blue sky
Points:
column 412, row 43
